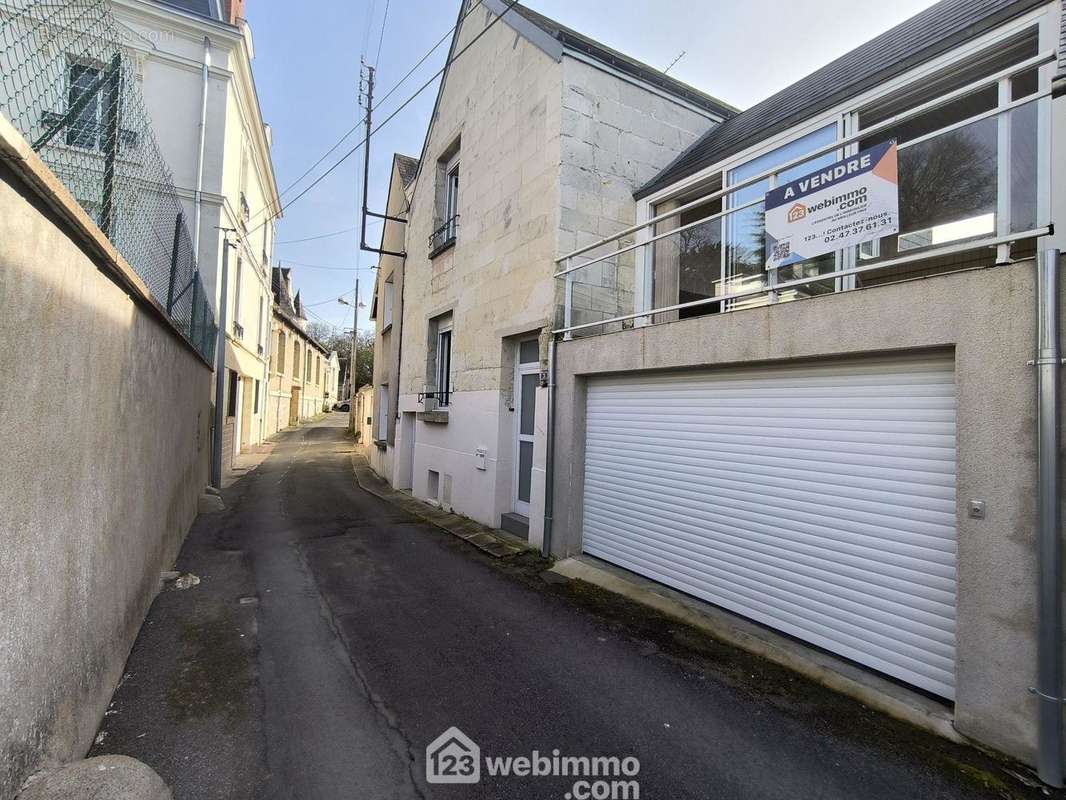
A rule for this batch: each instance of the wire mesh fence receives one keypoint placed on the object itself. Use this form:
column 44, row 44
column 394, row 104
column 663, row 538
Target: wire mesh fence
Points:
column 70, row 86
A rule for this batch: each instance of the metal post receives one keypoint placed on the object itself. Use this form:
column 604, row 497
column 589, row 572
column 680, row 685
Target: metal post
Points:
column 549, row 460
column 220, row 369
column 366, row 155
column 192, row 314
column 351, row 361
column 1049, row 646
column 174, row 264
column 107, row 204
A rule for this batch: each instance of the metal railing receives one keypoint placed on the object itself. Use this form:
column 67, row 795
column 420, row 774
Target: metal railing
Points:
column 639, row 240
column 432, row 399
column 444, row 235
column 72, row 89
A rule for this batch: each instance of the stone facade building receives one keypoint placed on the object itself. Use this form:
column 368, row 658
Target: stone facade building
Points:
column 538, row 139
column 299, row 364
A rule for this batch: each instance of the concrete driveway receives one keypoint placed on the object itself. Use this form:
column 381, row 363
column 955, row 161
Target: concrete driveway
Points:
column 332, row 638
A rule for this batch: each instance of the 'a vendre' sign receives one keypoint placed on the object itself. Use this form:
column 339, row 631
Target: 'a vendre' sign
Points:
column 852, row 201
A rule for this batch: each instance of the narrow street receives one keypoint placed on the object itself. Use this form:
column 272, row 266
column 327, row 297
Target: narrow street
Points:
column 332, row 638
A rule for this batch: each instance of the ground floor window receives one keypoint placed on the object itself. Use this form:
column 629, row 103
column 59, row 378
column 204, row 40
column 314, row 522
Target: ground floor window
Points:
column 444, row 363
column 231, row 406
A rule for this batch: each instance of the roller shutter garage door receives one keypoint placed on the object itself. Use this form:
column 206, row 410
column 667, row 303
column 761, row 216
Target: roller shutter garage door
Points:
column 817, row 500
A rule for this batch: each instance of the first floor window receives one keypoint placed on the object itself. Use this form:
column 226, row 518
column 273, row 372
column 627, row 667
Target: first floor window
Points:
column 83, row 128
column 452, row 199
column 231, row 405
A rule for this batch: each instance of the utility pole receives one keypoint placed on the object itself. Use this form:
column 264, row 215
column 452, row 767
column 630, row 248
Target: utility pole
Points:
column 220, row 365
column 355, row 345
column 367, row 89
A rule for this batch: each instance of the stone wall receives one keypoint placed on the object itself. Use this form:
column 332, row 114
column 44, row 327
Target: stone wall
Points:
column 616, row 136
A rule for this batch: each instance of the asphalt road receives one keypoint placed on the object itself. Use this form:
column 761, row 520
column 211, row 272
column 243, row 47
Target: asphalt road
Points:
column 332, row 638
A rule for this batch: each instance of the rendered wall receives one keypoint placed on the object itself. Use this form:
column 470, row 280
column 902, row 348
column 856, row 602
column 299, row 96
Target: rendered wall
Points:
column 986, row 317
column 107, row 424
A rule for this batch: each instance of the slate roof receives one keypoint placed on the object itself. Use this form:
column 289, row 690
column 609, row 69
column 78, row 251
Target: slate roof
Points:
column 203, row 8
column 289, row 307
column 914, row 41
column 408, row 167
column 623, row 63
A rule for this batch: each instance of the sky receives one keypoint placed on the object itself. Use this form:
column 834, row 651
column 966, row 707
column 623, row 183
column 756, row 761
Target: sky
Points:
column 307, row 63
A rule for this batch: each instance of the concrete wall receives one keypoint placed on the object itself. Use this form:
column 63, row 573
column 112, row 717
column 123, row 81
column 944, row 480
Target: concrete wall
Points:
column 107, row 426
column 986, row 317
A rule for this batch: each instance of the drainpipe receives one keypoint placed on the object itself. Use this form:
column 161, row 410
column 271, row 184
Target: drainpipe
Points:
column 549, row 457
column 1049, row 645
column 198, row 199
column 220, row 368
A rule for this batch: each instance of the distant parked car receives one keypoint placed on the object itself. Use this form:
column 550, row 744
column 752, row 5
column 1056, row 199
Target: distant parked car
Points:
column 344, row 405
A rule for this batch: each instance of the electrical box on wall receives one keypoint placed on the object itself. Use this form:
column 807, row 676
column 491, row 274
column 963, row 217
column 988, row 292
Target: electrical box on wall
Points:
column 479, row 457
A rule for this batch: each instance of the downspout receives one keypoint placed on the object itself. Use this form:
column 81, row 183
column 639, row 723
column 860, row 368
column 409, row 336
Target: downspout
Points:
column 198, row 199
column 549, row 457
column 1048, row 689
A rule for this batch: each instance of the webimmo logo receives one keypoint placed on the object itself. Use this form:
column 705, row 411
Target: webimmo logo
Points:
column 453, row 757
column 797, row 212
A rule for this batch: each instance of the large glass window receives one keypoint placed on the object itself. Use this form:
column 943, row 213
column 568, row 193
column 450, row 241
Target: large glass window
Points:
column 727, row 255
column 745, row 249
column 951, row 189
column 966, row 173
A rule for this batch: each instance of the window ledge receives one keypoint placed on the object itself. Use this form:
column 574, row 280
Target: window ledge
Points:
column 386, row 328
column 442, row 247
column 436, row 417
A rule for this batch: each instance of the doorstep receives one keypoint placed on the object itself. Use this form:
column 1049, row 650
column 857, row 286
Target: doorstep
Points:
column 497, row 544
column 842, row 676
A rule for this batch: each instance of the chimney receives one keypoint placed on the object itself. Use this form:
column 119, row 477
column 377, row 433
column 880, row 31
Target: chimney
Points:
column 234, row 11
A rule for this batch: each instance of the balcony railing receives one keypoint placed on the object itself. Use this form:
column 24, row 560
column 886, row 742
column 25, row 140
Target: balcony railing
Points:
column 444, row 237
column 972, row 193
column 433, row 399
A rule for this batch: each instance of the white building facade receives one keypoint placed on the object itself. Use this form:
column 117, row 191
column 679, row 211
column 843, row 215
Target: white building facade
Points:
column 195, row 62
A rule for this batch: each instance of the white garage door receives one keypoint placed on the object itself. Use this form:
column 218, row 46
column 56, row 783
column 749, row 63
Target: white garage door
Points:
column 817, row 500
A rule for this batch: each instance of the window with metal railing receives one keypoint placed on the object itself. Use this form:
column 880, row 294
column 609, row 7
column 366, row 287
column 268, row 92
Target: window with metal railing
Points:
column 72, row 88
column 973, row 172
column 447, row 203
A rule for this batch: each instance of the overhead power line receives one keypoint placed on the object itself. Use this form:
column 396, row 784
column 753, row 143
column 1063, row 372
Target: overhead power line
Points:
column 385, row 121
column 381, row 38
column 386, row 96
column 322, row 236
column 331, row 300
column 286, row 262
